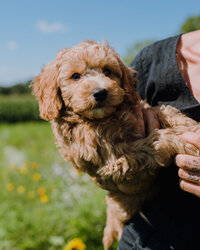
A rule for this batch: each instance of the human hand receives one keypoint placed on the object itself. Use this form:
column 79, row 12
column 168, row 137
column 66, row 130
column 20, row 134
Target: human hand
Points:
column 151, row 120
column 189, row 165
column 147, row 120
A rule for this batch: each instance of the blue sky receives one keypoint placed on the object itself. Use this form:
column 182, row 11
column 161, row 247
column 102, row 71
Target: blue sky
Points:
column 32, row 31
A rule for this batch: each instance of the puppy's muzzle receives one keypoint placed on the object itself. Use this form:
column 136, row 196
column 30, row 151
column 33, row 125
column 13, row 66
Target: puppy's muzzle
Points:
column 100, row 95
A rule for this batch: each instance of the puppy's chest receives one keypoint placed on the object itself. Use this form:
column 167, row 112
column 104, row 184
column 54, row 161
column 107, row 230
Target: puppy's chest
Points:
column 117, row 130
column 96, row 141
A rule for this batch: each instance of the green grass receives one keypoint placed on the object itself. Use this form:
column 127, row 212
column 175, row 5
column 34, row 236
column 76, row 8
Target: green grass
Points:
column 18, row 108
column 44, row 202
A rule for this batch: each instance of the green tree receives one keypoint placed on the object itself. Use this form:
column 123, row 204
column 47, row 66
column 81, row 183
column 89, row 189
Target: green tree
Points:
column 133, row 50
column 191, row 24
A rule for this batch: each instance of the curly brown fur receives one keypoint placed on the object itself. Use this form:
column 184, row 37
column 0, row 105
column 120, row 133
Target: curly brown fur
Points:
column 99, row 134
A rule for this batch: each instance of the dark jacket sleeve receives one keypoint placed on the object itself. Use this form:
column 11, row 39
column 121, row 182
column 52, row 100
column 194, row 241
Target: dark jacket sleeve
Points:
column 173, row 214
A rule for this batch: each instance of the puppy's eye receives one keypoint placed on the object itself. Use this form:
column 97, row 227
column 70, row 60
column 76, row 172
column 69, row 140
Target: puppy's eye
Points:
column 76, row 76
column 107, row 72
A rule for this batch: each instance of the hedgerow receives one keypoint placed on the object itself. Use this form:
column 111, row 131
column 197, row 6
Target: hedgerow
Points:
column 18, row 108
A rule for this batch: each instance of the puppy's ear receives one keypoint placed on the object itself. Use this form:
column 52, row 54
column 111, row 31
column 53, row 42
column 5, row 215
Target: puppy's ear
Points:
column 45, row 88
column 128, row 83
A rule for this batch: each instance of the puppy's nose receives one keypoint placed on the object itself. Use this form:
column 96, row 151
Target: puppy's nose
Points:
column 100, row 95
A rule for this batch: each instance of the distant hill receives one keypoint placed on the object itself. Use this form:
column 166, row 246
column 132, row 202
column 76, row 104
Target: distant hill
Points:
column 21, row 88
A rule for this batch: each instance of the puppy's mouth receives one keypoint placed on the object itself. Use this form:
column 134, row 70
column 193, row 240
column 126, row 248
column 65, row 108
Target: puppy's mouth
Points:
column 100, row 105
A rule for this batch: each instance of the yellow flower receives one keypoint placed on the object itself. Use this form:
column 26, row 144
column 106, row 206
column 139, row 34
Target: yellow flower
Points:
column 21, row 189
column 75, row 244
column 23, row 170
column 10, row 187
column 34, row 165
column 36, row 177
column 44, row 198
column 31, row 195
column 41, row 191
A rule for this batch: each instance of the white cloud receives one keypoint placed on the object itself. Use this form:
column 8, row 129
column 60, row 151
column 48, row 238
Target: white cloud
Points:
column 47, row 28
column 12, row 45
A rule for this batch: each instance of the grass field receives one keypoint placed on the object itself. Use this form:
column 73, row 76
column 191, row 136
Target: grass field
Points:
column 44, row 203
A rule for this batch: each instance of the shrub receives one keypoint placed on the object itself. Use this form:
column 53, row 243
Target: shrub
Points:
column 20, row 88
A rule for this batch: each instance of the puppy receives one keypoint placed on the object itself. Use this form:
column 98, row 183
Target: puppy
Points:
column 88, row 95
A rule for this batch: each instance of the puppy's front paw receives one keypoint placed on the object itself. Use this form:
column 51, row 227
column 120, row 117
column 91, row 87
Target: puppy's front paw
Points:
column 120, row 169
column 117, row 170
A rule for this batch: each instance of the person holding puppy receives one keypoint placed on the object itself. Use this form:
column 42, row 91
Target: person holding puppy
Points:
column 169, row 74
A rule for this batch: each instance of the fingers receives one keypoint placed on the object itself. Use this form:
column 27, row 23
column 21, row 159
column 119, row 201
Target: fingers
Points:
column 140, row 120
column 188, row 162
column 151, row 120
column 189, row 173
column 190, row 176
column 147, row 120
column 190, row 187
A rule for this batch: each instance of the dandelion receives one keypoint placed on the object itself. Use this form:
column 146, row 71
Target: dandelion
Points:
column 34, row 165
column 75, row 244
column 9, row 187
column 31, row 195
column 44, row 198
column 23, row 170
column 36, row 177
column 21, row 189
column 41, row 191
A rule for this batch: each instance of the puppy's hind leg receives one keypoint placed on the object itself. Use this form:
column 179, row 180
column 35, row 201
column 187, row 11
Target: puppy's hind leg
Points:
column 121, row 208
column 114, row 226
column 112, row 231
